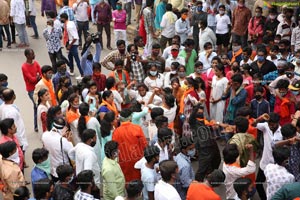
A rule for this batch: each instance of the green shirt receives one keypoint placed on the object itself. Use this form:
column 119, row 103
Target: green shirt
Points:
column 113, row 179
column 190, row 64
column 288, row 191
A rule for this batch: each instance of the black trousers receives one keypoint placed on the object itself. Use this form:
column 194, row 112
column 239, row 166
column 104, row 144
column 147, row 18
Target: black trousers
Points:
column 260, row 179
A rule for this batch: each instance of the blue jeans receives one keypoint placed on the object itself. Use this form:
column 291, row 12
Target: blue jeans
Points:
column 113, row 4
column 30, row 94
column 6, row 28
column 73, row 53
column 92, row 12
column 33, row 24
column 21, row 28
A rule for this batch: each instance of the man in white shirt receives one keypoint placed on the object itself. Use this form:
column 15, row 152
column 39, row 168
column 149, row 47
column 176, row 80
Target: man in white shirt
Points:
column 17, row 12
column 271, row 134
column 164, row 189
column 164, row 139
column 182, row 26
column 231, row 167
column 82, row 19
column 71, row 40
column 84, row 155
column 148, row 172
column 58, row 142
column 206, row 35
column 223, row 24
column 295, row 39
column 174, row 58
column 167, row 51
column 207, row 55
column 276, row 174
column 9, row 110
column 168, row 26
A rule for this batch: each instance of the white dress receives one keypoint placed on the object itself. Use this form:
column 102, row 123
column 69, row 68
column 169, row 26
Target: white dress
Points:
column 218, row 88
column 157, row 83
column 40, row 109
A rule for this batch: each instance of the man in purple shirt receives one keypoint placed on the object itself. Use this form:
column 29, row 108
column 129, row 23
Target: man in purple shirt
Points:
column 103, row 15
column 48, row 6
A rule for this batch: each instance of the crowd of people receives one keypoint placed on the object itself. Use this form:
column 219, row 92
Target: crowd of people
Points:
column 226, row 77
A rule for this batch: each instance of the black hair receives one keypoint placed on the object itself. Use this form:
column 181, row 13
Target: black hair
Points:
column 175, row 64
column 175, row 80
column 46, row 68
column 191, row 81
column 258, row 88
column 130, row 46
column 134, row 188
column 221, row 67
column 6, row 124
column 169, row 7
column 41, row 93
column 198, row 63
column 185, row 142
column 59, row 63
column 217, row 58
column 237, row 78
column 120, row 42
column 136, row 107
column 143, row 85
column 85, row 178
column 119, row 62
column 164, row 134
column 281, row 154
column 184, row 10
column 155, row 112
column 156, row 46
column 240, row 185
column 200, row 82
column 167, row 169
column 27, row 51
column 66, row 2
column 52, row 111
column 105, row 123
column 216, row 178
column 91, row 84
column 242, row 124
column 110, row 83
column 149, row 3
column 106, row 94
column 151, row 152
column 84, row 109
column 39, row 154
column 71, row 98
column 207, row 44
column 282, row 84
column 244, row 111
column 288, row 131
column 258, row 7
column 3, row 77
column 274, row 117
column 170, row 100
column 21, row 193
column 285, row 42
column 87, row 134
column 222, row 6
column 41, row 188
column 189, row 42
column 110, row 148
column 96, row 65
column 137, row 39
column 8, row 94
column 7, row 148
column 63, row 171
column 160, row 120
column 126, row 112
column 275, row 48
column 230, row 153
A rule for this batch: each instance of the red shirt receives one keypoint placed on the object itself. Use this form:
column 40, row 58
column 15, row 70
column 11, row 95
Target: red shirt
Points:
column 100, row 81
column 30, row 72
column 200, row 191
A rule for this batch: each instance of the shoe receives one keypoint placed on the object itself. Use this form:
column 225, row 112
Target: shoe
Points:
column 72, row 74
column 109, row 48
column 79, row 78
column 13, row 42
column 35, row 129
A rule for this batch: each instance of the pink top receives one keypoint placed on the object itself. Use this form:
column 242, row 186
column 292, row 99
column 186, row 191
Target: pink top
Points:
column 4, row 139
column 120, row 19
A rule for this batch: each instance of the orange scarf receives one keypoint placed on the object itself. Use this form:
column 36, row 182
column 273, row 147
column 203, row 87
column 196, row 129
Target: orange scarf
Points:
column 66, row 36
column 187, row 92
column 234, row 55
column 49, row 85
column 284, row 108
column 110, row 107
column 72, row 116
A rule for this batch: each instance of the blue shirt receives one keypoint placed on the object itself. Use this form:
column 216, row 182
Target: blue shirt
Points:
column 68, row 11
column 87, row 65
column 186, row 174
column 56, row 78
column 259, row 108
column 36, row 175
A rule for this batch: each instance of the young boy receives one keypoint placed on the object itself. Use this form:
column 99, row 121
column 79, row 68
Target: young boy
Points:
column 247, row 52
column 259, row 105
column 98, row 77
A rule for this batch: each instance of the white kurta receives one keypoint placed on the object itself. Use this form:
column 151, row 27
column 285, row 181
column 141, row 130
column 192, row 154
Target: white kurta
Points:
column 218, row 88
